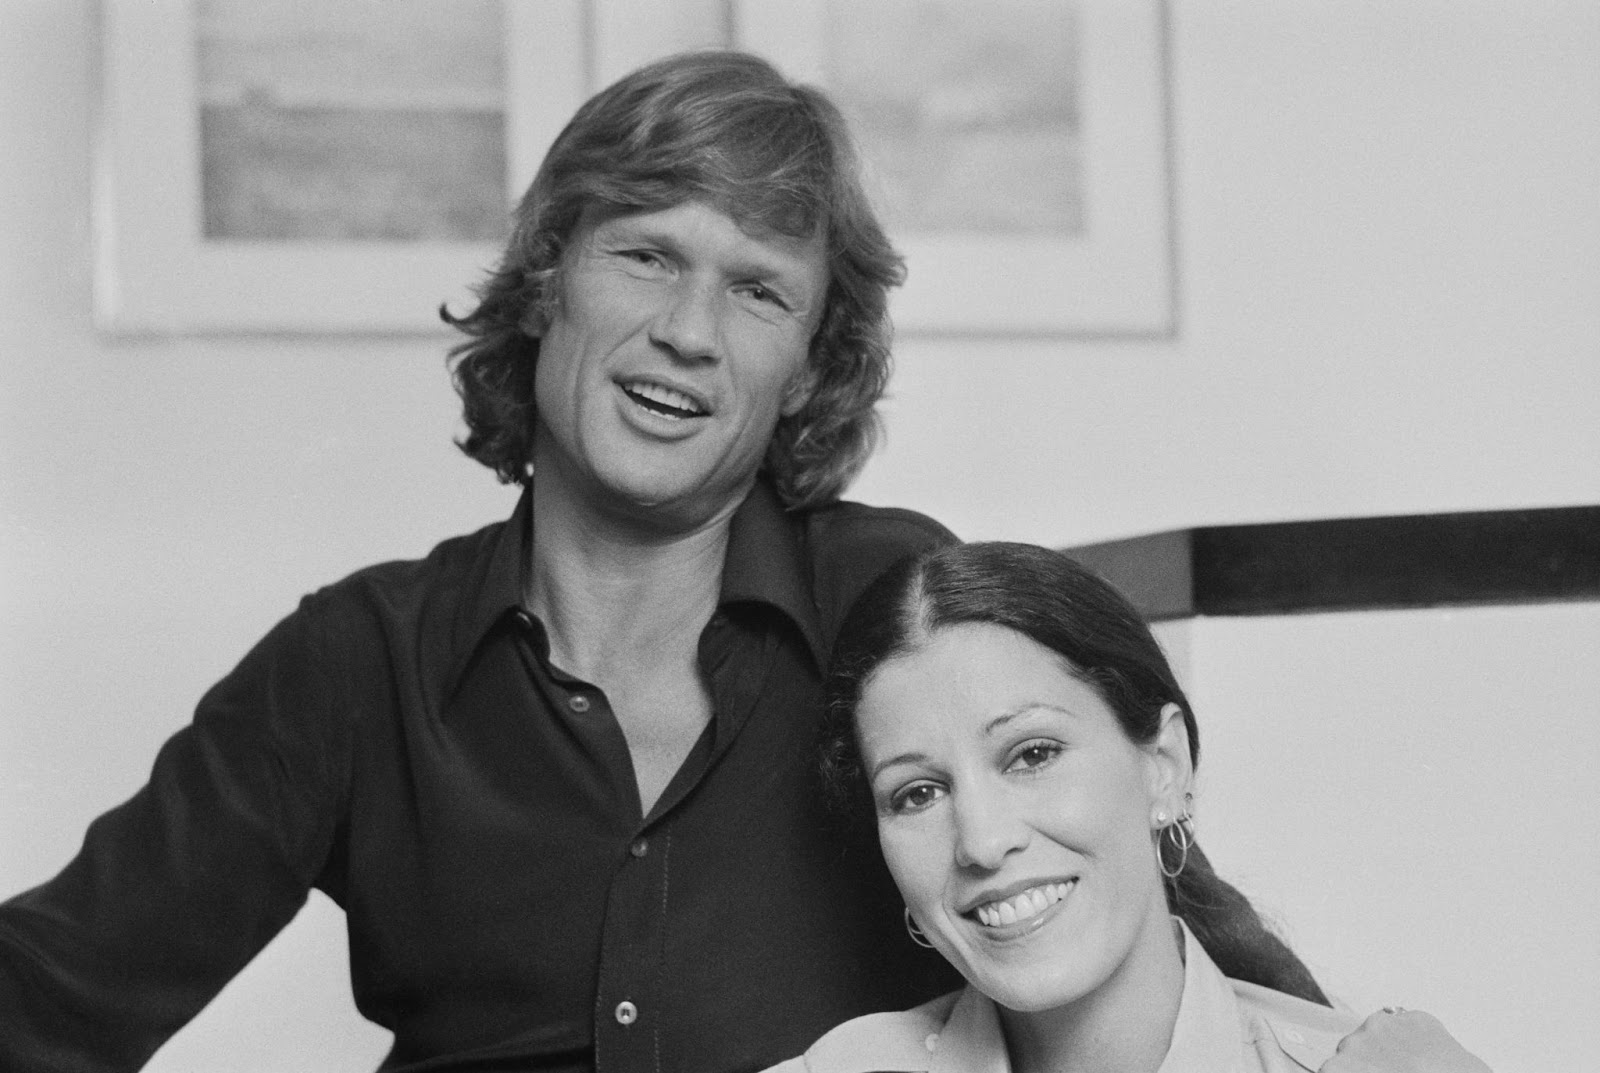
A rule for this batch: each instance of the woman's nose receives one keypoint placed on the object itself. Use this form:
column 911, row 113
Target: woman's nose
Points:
column 988, row 830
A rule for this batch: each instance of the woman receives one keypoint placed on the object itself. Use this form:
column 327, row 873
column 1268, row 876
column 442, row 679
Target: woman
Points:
column 1030, row 759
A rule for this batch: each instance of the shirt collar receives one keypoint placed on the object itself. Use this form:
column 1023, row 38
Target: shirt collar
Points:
column 765, row 563
column 1205, row 1036
column 492, row 587
column 972, row 1040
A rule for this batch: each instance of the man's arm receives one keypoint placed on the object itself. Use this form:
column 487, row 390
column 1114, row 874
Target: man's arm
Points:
column 174, row 891
column 1402, row 1041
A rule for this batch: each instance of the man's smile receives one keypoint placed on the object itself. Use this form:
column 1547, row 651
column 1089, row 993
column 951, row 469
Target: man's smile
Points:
column 660, row 399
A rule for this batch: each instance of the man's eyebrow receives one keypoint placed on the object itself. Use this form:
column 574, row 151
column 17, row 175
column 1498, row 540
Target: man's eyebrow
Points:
column 622, row 228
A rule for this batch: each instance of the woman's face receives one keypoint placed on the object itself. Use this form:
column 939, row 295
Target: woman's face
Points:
column 1017, row 817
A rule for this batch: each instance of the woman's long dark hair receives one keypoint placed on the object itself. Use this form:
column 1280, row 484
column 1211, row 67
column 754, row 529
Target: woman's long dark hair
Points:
column 1049, row 598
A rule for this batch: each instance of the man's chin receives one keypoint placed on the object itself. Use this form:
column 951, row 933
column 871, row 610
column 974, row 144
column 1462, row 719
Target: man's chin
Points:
column 674, row 507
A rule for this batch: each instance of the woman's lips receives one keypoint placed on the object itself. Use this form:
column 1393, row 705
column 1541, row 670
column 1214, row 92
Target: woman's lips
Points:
column 1022, row 906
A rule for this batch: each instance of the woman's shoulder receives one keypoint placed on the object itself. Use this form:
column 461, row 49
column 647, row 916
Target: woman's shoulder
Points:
column 879, row 1041
column 1307, row 1032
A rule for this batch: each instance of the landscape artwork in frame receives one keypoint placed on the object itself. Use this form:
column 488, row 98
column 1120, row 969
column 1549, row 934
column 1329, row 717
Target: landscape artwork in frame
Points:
column 1017, row 148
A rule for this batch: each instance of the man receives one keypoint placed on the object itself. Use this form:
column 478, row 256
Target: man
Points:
column 559, row 773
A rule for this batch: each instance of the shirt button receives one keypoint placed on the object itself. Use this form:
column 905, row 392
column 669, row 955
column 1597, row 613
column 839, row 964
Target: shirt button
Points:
column 627, row 1013
column 932, row 1042
column 640, row 847
column 578, row 703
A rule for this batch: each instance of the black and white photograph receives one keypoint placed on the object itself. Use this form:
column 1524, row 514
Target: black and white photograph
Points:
column 832, row 536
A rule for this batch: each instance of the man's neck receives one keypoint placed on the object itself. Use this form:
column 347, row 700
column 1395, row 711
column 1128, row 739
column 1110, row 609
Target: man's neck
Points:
column 607, row 590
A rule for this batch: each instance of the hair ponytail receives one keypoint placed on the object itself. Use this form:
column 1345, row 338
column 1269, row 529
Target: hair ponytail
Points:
column 1233, row 933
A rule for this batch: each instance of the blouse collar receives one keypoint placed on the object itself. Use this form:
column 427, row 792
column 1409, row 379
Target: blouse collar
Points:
column 1205, row 1035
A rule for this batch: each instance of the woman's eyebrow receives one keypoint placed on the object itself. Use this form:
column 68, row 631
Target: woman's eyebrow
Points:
column 903, row 758
column 1021, row 711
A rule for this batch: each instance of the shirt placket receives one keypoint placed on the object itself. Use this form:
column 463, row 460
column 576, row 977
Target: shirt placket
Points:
column 631, row 992
column 629, row 1009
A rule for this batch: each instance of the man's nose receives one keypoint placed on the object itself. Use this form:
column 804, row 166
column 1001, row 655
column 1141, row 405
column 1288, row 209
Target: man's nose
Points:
column 988, row 829
column 689, row 324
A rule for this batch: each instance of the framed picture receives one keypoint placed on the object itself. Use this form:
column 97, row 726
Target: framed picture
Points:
column 1019, row 148
column 273, row 166
column 248, row 173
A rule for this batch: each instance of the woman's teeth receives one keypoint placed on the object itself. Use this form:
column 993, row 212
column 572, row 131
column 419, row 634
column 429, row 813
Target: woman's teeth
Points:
column 1029, row 903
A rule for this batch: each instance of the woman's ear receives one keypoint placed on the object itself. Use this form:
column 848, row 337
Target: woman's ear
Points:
column 1171, row 769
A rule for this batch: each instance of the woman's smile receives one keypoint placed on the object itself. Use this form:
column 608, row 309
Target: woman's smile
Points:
column 1023, row 912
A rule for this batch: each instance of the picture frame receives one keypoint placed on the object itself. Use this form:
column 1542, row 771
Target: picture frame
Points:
column 156, row 274
column 1118, row 276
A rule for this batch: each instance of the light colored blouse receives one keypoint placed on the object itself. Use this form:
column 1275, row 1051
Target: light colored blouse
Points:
column 1223, row 1026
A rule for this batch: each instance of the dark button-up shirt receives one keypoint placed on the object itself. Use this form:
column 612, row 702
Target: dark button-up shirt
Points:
column 403, row 743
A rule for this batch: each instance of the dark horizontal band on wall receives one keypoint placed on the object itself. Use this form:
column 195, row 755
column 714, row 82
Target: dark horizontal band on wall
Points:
column 1423, row 560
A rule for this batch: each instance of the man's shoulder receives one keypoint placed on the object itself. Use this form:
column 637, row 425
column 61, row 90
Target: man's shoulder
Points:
column 853, row 527
column 877, row 1042
column 449, row 564
column 406, row 590
column 851, row 544
column 1305, row 1031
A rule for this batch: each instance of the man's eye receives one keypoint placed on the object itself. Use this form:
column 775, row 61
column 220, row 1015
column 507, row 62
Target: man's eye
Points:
column 762, row 294
column 643, row 257
column 915, row 797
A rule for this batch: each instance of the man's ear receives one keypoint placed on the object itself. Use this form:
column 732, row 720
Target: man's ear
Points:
column 535, row 319
column 1171, row 769
column 799, row 390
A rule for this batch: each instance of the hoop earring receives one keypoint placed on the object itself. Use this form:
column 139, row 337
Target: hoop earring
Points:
column 1180, row 833
column 915, row 932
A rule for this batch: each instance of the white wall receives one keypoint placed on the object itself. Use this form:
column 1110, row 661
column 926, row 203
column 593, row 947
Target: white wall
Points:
column 1390, row 233
column 1408, row 794
column 1389, row 219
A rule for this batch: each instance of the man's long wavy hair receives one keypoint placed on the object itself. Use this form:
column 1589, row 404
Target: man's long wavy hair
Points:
column 725, row 129
column 1050, row 599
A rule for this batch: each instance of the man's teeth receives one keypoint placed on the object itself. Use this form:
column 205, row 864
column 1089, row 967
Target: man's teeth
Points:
column 1029, row 903
column 667, row 401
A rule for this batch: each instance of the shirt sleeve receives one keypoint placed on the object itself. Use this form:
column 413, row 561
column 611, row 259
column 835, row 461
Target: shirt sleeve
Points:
column 175, row 890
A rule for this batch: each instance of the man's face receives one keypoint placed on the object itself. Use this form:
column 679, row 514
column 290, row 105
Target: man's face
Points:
column 677, row 342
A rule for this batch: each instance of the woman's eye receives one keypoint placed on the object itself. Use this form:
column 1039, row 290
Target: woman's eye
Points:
column 915, row 797
column 1034, row 755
